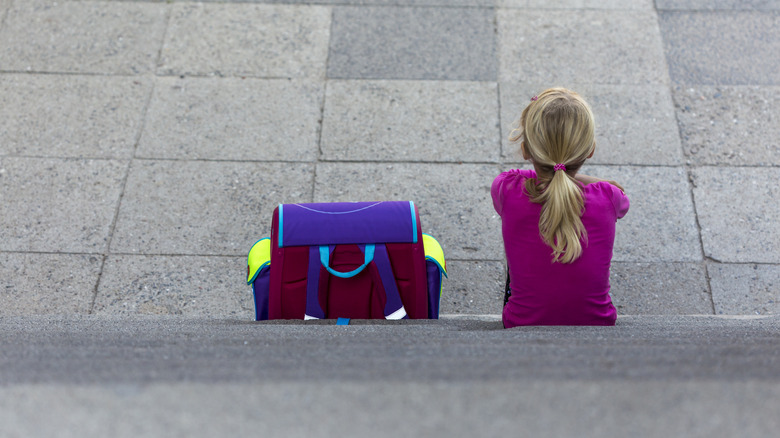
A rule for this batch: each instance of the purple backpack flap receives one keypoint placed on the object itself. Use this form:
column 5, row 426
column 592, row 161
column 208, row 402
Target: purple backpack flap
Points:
column 344, row 260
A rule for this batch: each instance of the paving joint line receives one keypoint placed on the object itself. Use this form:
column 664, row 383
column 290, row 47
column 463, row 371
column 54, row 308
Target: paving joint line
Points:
column 316, row 162
column 691, row 186
column 72, row 73
column 405, row 6
column 168, row 17
column 321, row 121
column 68, row 253
column 496, row 42
column 65, row 158
column 123, row 187
column 692, row 195
column 163, row 254
column 719, row 11
column 686, row 163
column 391, row 163
column 449, row 259
column 335, row 161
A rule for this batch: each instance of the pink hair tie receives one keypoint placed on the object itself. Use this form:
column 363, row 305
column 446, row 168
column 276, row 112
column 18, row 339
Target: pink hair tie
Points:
column 559, row 166
column 533, row 99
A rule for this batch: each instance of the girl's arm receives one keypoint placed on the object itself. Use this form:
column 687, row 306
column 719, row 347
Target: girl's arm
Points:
column 587, row 179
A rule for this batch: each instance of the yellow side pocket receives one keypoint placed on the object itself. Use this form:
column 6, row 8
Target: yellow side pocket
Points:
column 259, row 257
column 434, row 253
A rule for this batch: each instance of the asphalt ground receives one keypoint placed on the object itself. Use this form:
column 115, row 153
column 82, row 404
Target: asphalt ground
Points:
column 157, row 376
column 92, row 350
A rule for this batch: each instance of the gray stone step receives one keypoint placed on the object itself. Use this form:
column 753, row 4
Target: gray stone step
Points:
column 693, row 376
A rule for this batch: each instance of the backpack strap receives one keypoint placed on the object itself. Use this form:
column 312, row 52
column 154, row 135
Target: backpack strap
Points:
column 319, row 256
column 394, row 307
column 313, row 308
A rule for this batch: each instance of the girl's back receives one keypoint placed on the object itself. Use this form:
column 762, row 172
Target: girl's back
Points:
column 547, row 293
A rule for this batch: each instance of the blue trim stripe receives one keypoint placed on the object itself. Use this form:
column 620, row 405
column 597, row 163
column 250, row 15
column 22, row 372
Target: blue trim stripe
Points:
column 258, row 272
column 436, row 262
column 254, row 299
column 281, row 222
column 414, row 222
column 342, row 321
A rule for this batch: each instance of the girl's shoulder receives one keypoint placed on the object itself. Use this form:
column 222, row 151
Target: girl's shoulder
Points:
column 610, row 193
column 507, row 182
column 515, row 175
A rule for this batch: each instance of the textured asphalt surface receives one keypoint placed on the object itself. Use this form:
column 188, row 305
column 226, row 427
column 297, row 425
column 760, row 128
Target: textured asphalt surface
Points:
column 692, row 376
column 91, row 350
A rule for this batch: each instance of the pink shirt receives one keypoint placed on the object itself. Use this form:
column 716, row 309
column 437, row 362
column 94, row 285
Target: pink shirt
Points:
column 546, row 293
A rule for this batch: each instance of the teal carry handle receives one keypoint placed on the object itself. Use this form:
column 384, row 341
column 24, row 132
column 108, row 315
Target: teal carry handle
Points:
column 368, row 256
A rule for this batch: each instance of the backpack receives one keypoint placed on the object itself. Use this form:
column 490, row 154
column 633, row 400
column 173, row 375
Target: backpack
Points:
column 360, row 260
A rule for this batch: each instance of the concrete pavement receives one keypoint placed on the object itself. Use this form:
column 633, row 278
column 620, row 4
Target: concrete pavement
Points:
column 144, row 144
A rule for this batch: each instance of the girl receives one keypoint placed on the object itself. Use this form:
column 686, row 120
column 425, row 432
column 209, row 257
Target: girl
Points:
column 558, row 225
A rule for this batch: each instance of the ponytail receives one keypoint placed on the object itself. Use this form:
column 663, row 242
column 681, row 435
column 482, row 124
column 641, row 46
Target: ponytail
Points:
column 560, row 223
column 557, row 129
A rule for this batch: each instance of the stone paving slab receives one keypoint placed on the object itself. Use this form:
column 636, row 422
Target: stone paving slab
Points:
column 233, row 119
column 214, row 287
column 635, row 124
column 660, row 289
column 66, row 281
column 203, row 207
column 732, row 125
column 745, row 289
column 717, row 5
column 578, row 4
column 410, row 121
column 58, row 205
column 416, row 43
column 473, row 287
column 424, row 3
column 453, row 200
column 82, row 37
column 738, row 214
column 71, row 116
column 661, row 224
column 693, row 40
column 565, row 48
column 271, row 41
column 484, row 3
column 211, row 287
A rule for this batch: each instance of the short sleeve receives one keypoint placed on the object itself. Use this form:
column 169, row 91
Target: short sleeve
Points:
column 510, row 178
column 620, row 201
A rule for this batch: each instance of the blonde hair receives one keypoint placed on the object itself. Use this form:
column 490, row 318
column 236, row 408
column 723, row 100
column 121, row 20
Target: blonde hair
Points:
column 558, row 127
